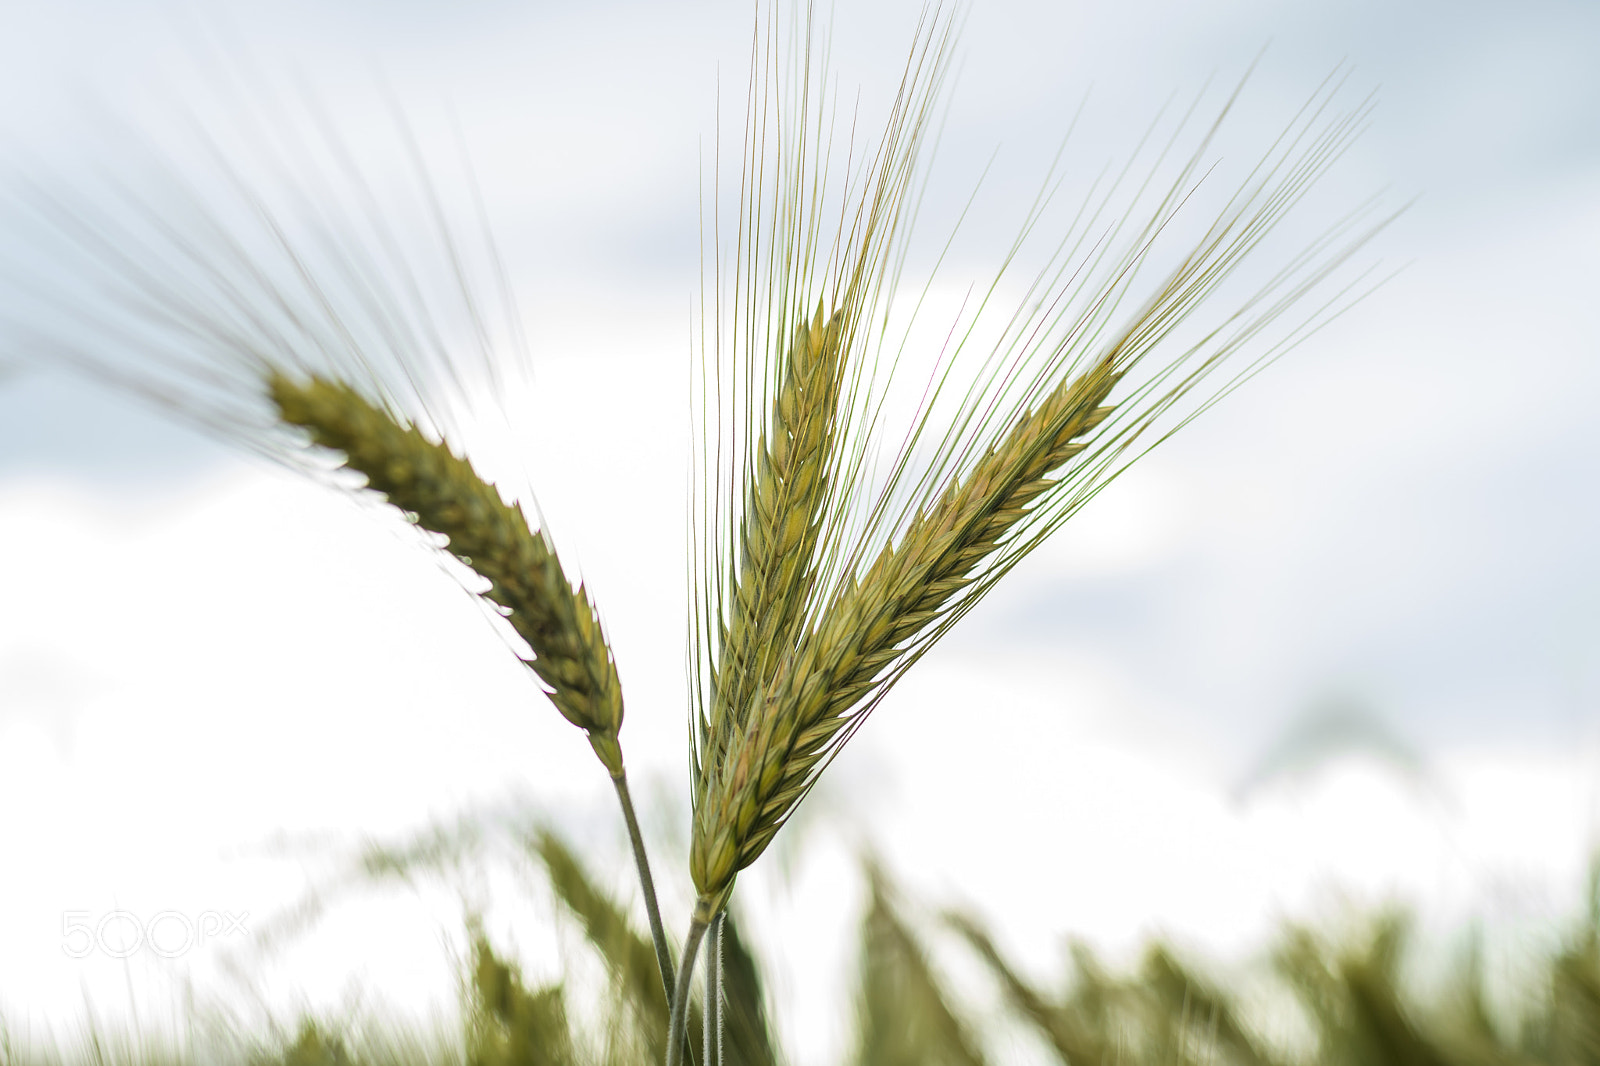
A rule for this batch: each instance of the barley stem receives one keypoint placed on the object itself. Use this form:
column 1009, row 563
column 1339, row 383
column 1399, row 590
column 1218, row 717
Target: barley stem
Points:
column 658, row 932
column 678, row 1023
column 713, row 1007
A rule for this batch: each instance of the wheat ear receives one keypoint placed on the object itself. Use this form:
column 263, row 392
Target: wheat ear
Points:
column 772, row 759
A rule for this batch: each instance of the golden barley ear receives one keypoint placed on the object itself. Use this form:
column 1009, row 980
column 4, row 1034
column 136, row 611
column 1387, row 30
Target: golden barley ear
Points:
column 442, row 493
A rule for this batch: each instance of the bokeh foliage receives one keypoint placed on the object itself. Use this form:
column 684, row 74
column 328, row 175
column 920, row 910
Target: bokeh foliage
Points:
column 1349, row 996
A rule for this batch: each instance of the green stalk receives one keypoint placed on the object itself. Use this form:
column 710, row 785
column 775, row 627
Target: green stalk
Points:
column 713, row 1009
column 678, row 1024
column 658, row 932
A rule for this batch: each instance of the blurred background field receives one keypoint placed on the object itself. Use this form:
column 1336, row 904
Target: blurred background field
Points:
column 1326, row 658
column 928, row 986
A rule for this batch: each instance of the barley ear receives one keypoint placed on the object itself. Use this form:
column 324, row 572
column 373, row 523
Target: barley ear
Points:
column 784, row 505
column 443, row 494
column 873, row 622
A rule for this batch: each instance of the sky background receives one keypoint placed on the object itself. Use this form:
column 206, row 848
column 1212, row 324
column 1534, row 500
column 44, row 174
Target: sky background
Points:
column 213, row 672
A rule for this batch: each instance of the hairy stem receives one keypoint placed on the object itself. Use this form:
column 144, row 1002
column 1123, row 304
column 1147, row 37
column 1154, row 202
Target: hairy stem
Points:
column 678, row 1024
column 658, row 932
column 713, row 1008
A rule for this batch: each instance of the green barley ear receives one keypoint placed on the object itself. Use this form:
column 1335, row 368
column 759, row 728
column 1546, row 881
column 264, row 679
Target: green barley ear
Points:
column 444, row 495
column 628, row 956
column 1182, row 993
column 906, row 1013
column 868, row 626
column 513, row 1025
column 1074, row 1037
column 1095, row 364
column 784, row 506
column 789, row 361
column 278, row 284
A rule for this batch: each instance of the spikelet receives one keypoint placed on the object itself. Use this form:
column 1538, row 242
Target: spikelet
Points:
column 446, row 496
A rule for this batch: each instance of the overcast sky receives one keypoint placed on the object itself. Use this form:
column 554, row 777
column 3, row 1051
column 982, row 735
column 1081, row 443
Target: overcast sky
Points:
column 1385, row 543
